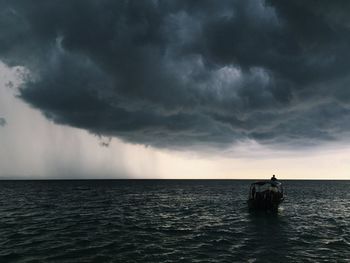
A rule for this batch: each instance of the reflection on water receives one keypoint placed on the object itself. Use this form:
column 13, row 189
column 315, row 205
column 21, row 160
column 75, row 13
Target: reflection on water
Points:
column 170, row 221
column 268, row 236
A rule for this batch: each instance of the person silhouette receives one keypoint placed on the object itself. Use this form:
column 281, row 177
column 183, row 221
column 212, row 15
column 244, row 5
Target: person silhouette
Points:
column 273, row 178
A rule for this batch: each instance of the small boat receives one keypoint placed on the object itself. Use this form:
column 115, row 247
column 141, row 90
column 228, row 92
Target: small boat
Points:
column 265, row 195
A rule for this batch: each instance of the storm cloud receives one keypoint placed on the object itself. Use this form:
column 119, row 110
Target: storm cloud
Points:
column 2, row 122
column 185, row 73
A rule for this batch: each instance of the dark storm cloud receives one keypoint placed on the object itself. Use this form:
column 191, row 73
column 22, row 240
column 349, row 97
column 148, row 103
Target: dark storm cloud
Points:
column 180, row 73
column 2, row 122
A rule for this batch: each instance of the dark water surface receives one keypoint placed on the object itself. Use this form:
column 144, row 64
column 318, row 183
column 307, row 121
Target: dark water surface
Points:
column 170, row 221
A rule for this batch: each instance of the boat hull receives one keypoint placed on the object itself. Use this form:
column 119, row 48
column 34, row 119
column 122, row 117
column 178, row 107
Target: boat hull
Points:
column 268, row 205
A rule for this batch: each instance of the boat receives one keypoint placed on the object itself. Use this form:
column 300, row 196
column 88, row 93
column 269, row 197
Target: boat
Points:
column 265, row 195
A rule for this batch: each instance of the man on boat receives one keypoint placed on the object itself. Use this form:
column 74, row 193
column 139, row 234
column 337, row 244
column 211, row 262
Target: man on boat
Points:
column 273, row 187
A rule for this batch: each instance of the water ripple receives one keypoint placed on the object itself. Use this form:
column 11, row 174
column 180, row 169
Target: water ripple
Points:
column 170, row 221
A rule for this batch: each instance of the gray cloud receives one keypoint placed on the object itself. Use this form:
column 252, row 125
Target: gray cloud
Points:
column 3, row 122
column 181, row 73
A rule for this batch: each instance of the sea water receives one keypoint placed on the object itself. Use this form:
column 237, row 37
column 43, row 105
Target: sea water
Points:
column 171, row 221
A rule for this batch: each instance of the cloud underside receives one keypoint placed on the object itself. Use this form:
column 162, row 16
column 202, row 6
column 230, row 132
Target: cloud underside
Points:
column 185, row 73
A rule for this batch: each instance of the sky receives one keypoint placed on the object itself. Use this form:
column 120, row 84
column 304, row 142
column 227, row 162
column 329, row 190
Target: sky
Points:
column 174, row 89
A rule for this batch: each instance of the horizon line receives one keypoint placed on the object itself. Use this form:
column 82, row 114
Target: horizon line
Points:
column 165, row 179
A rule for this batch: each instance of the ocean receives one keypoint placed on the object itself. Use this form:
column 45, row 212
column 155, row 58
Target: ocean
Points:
column 171, row 221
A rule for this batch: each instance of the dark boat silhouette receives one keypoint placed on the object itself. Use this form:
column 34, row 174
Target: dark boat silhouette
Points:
column 265, row 195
